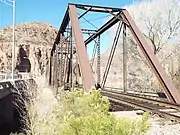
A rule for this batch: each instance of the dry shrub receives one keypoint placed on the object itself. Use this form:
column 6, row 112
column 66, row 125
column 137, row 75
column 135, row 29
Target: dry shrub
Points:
column 77, row 113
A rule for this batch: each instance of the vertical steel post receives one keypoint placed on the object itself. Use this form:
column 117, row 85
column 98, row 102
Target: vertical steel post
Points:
column 69, row 63
column 124, row 59
column 71, row 57
column 56, row 67
column 50, row 70
column 94, row 53
column 61, row 63
column 98, row 61
column 66, row 67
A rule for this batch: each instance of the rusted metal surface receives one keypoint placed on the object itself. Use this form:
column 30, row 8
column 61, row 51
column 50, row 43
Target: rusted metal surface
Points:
column 52, row 75
column 84, row 31
column 97, row 8
column 171, row 92
column 124, row 59
column 87, row 75
column 55, row 68
column 98, row 61
column 65, row 22
column 83, row 14
column 68, row 68
column 50, row 71
column 81, row 50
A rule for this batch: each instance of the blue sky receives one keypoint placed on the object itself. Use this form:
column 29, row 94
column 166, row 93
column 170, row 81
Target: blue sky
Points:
column 48, row 11
column 52, row 12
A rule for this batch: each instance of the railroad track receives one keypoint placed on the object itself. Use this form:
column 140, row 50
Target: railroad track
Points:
column 162, row 108
column 153, row 95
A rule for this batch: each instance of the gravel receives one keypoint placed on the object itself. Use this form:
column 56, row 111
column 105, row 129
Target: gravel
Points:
column 161, row 126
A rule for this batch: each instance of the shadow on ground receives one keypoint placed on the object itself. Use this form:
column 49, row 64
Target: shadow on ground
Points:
column 13, row 112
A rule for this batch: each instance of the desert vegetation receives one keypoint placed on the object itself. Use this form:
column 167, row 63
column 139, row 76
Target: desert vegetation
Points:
column 77, row 113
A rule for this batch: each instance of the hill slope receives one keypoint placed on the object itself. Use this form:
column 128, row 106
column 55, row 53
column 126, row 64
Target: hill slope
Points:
column 35, row 40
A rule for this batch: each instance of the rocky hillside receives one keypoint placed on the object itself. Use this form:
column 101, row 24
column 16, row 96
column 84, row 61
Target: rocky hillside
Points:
column 33, row 43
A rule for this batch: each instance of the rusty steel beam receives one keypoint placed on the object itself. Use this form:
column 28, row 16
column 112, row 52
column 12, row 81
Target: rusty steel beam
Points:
column 98, row 61
column 171, row 92
column 53, row 64
column 85, row 68
column 97, row 8
column 56, row 42
column 68, row 67
column 84, row 31
column 56, row 69
column 105, row 27
column 83, row 14
column 61, row 30
column 124, row 58
column 64, row 22
column 50, row 70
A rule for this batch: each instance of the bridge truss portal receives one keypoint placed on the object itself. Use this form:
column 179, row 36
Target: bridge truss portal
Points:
column 69, row 63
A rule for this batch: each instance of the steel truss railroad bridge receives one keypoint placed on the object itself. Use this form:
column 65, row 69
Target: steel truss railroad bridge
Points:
column 69, row 45
column 70, row 67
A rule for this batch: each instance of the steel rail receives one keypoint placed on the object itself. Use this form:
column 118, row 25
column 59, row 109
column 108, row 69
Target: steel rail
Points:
column 128, row 90
column 131, row 96
column 143, row 107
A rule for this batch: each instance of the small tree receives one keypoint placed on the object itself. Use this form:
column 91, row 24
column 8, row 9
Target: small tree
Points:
column 159, row 21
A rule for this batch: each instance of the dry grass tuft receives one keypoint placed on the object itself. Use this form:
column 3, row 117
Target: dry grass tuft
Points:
column 77, row 113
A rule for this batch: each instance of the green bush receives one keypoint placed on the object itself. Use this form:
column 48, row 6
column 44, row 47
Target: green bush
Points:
column 79, row 103
column 104, row 125
column 89, row 116
column 78, row 113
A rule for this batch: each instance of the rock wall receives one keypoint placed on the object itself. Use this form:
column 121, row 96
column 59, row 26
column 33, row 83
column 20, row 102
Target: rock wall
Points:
column 33, row 42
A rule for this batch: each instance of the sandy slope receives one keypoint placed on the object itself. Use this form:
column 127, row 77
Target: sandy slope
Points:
column 45, row 98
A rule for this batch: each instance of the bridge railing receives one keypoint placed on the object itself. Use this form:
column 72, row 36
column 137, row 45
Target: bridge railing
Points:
column 4, row 77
